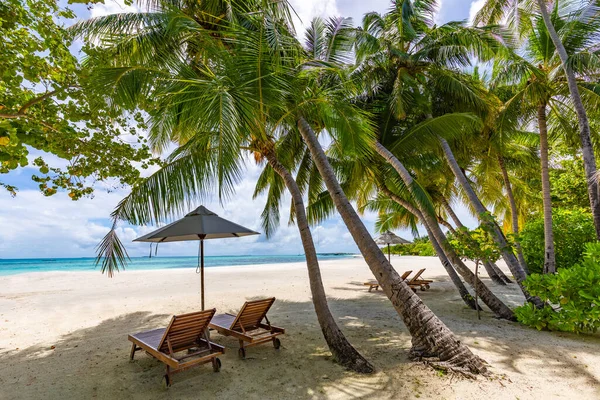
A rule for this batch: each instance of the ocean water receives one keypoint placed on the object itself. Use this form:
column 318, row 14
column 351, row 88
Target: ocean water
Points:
column 20, row 266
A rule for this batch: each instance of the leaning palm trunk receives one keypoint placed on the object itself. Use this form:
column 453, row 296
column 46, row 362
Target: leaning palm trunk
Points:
column 495, row 275
column 430, row 336
column 494, row 303
column 500, row 273
column 447, row 225
column 589, row 160
column 451, row 213
column 549, row 258
column 343, row 352
column 499, row 238
column 514, row 212
column 462, row 290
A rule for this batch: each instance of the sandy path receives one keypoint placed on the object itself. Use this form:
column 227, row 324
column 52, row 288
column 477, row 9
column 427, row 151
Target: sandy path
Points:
column 87, row 317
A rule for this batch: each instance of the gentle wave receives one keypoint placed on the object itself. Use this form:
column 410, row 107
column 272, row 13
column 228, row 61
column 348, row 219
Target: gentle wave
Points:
column 19, row 266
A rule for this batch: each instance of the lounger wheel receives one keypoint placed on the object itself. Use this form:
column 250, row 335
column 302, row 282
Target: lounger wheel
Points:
column 427, row 287
column 216, row 364
column 276, row 343
column 423, row 288
column 242, row 353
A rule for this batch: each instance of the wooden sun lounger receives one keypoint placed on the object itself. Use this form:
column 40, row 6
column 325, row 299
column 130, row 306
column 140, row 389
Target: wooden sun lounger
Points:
column 184, row 332
column 416, row 283
column 373, row 284
column 247, row 326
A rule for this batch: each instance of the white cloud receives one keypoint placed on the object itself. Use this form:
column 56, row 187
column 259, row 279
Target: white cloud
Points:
column 306, row 10
column 438, row 17
column 111, row 7
column 38, row 226
column 475, row 7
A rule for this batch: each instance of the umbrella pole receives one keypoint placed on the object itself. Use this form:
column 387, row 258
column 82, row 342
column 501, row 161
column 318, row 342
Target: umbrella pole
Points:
column 202, row 271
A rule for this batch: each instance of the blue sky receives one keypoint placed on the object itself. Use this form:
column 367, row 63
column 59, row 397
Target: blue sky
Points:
column 32, row 225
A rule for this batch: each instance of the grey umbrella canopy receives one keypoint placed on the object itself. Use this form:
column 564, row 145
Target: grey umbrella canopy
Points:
column 388, row 238
column 200, row 224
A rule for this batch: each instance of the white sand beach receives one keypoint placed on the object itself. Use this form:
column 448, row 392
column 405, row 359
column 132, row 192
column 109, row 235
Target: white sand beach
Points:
column 64, row 335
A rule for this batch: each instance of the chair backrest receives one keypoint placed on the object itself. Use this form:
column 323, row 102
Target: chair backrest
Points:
column 418, row 275
column 251, row 314
column 185, row 330
column 406, row 274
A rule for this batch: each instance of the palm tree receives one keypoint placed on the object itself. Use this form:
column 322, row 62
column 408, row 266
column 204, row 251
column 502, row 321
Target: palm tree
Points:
column 495, row 304
column 539, row 81
column 364, row 177
column 584, row 21
column 429, row 334
column 584, row 125
column 402, row 61
column 439, row 250
column 207, row 105
column 486, row 218
column 495, row 274
column 351, row 131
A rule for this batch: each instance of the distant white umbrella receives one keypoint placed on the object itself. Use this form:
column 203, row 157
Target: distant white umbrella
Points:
column 388, row 238
column 201, row 224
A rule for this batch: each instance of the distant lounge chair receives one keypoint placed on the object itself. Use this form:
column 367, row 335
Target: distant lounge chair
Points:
column 247, row 326
column 373, row 284
column 184, row 332
column 416, row 283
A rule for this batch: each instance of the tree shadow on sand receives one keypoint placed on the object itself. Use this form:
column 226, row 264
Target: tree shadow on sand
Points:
column 94, row 362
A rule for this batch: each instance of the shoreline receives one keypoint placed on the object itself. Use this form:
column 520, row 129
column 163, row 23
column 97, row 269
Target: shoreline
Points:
column 143, row 269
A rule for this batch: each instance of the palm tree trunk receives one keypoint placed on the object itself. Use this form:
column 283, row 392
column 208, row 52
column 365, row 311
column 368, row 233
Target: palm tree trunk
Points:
column 494, row 303
column 462, row 290
column 343, row 352
column 514, row 212
column 494, row 273
column 549, row 257
column 446, row 224
column 451, row 213
column 589, row 160
column 430, row 336
column 501, row 273
column 509, row 257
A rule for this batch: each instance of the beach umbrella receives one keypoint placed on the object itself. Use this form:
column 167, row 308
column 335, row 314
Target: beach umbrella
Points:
column 201, row 224
column 388, row 238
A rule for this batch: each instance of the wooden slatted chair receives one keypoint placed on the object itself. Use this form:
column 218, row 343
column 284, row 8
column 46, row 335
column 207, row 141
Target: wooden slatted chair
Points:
column 373, row 284
column 248, row 327
column 184, row 332
column 416, row 283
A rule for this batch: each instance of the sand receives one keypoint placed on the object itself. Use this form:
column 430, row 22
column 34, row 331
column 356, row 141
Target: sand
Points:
column 64, row 335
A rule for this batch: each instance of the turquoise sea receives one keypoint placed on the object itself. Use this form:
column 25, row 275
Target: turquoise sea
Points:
column 19, row 266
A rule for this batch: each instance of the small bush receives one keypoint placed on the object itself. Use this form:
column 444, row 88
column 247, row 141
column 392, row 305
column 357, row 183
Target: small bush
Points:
column 475, row 245
column 572, row 229
column 574, row 295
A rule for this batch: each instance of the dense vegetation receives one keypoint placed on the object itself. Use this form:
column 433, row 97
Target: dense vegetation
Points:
column 573, row 228
column 419, row 247
column 572, row 296
column 414, row 129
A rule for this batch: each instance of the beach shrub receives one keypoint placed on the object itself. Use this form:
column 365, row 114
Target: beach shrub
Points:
column 572, row 294
column 572, row 229
column 420, row 247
